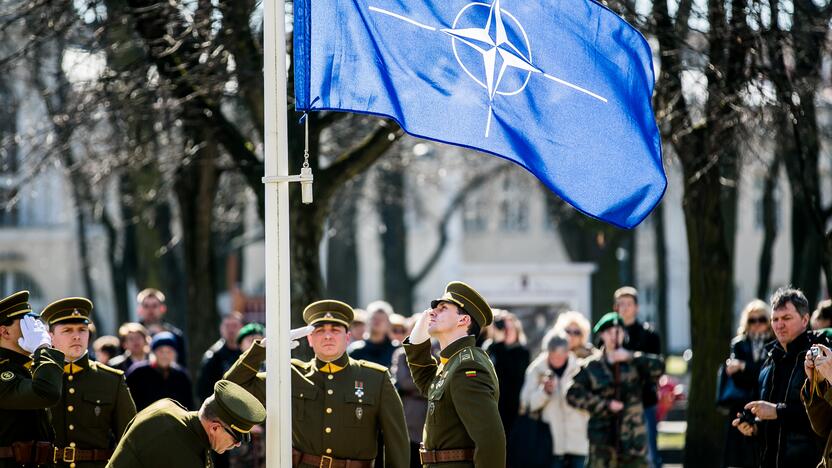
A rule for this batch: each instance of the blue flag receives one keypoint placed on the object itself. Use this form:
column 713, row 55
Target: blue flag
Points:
column 560, row 87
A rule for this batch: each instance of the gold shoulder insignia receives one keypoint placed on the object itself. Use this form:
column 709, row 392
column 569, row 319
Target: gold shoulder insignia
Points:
column 372, row 365
column 108, row 368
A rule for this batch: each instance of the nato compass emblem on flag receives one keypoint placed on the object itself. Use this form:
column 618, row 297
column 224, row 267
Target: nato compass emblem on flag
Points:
column 504, row 67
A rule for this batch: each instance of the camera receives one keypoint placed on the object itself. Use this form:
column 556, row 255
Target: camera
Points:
column 814, row 352
column 746, row 416
column 500, row 324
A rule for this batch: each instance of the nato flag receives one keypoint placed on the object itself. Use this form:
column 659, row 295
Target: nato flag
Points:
column 560, row 87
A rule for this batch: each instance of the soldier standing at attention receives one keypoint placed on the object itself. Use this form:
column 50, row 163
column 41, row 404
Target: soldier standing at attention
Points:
column 166, row 434
column 28, row 385
column 609, row 387
column 96, row 405
column 463, row 427
column 339, row 405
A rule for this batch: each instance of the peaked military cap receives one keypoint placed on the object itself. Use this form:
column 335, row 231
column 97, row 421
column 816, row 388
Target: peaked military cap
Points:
column 237, row 408
column 459, row 293
column 609, row 320
column 67, row 310
column 328, row 311
column 15, row 306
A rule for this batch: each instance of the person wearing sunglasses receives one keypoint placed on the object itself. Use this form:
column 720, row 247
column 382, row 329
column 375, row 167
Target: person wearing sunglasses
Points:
column 743, row 367
column 167, row 434
column 575, row 327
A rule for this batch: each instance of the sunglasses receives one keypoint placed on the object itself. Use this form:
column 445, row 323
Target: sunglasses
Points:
column 760, row 320
column 574, row 332
column 233, row 434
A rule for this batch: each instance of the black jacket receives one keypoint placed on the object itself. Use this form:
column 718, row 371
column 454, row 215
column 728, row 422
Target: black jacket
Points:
column 215, row 362
column 787, row 441
column 642, row 337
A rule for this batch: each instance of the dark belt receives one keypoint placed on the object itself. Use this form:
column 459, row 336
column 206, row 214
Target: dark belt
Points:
column 445, row 456
column 38, row 453
column 324, row 461
column 72, row 455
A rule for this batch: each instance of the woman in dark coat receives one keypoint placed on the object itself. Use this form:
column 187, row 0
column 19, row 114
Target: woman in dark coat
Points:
column 743, row 367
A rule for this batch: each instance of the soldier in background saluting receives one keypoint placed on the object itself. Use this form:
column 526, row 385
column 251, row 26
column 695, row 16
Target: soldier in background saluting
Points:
column 609, row 387
column 463, row 426
column 28, row 385
column 95, row 405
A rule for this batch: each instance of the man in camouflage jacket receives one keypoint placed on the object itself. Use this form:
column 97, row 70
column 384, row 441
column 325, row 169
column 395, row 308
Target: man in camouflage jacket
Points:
column 609, row 387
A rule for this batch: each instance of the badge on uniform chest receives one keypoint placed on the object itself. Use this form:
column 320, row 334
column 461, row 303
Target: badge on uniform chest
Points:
column 97, row 411
column 359, row 388
column 359, row 412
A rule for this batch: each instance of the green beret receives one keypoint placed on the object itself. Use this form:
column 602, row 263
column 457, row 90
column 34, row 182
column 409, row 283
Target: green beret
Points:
column 253, row 328
column 459, row 293
column 610, row 319
column 67, row 310
column 328, row 311
column 15, row 306
column 237, row 408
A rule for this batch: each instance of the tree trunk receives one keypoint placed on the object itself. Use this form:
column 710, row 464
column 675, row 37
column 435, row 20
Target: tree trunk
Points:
column 342, row 268
column 661, row 274
column 769, row 208
column 711, row 303
column 391, row 209
column 195, row 186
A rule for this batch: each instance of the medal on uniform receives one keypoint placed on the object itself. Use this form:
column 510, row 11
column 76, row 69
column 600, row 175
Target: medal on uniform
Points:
column 359, row 388
column 431, row 407
column 359, row 412
column 97, row 411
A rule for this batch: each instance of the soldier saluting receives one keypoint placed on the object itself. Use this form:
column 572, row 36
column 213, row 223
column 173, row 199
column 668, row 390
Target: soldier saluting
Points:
column 95, row 404
column 28, row 385
column 339, row 405
column 463, row 427
column 609, row 387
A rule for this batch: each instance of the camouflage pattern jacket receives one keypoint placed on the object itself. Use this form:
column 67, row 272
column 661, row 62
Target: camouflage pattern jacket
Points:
column 593, row 389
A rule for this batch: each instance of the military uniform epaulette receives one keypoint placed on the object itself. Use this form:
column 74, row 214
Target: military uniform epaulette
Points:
column 372, row 365
column 107, row 368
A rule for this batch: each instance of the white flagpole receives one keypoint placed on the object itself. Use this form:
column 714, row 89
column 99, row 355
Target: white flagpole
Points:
column 276, row 158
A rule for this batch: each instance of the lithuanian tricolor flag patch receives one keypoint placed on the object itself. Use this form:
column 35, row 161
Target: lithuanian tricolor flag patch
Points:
column 470, row 373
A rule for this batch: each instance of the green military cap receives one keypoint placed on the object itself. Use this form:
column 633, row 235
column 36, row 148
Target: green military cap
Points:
column 237, row 408
column 67, row 310
column 253, row 328
column 463, row 295
column 610, row 319
column 328, row 311
column 15, row 306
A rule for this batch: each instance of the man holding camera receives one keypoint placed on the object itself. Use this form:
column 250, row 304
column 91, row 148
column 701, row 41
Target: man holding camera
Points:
column 779, row 418
column 817, row 395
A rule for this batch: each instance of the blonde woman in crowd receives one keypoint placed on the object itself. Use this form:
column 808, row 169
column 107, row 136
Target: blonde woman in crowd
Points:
column 575, row 327
column 548, row 378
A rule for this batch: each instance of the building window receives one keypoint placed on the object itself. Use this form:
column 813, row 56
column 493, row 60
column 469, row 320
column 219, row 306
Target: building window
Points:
column 475, row 214
column 514, row 205
column 12, row 281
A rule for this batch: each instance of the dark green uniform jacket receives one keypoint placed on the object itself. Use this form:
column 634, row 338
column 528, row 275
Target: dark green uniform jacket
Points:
column 594, row 387
column 337, row 414
column 164, row 434
column 462, row 401
column 26, row 390
column 94, row 409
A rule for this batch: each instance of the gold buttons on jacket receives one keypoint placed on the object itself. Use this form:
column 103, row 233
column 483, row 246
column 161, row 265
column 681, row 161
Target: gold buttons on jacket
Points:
column 329, row 450
column 70, row 408
column 71, row 390
column 330, row 377
column 72, row 444
column 71, row 427
column 329, row 411
column 328, row 430
column 69, row 377
column 329, row 392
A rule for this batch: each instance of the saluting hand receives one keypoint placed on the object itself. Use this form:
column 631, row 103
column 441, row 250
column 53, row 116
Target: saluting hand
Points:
column 298, row 333
column 35, row 334
column 419, row 333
